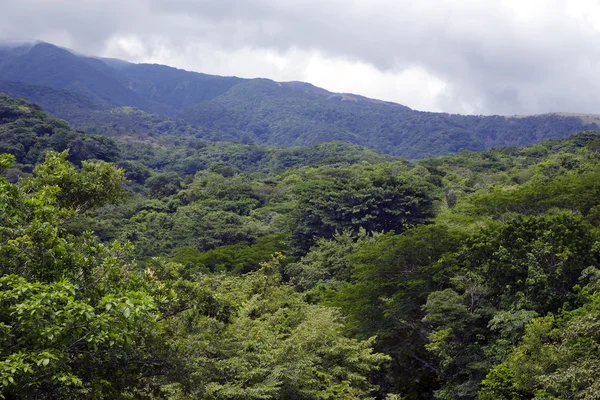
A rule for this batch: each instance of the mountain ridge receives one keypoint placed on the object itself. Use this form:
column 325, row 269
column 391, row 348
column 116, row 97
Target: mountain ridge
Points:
column 83, row 90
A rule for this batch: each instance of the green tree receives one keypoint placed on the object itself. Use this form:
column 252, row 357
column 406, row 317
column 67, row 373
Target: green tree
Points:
column 377, row 199
column 75, row 318
column 274, row 346
column 558, row 356
column 390, row 279
column 329, row 262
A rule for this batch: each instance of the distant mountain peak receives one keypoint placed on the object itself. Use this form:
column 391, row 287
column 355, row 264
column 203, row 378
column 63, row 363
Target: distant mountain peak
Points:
column 308, row 87
column 14, row 43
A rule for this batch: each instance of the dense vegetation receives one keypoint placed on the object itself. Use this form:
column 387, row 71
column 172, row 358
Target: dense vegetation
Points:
column 26, row 132
column 147, row 266
column 115, row 97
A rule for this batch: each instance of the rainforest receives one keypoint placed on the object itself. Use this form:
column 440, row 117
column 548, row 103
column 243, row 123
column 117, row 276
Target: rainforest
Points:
column 168, row 266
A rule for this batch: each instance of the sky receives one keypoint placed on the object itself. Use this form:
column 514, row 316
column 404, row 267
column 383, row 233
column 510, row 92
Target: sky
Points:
column 458, row 56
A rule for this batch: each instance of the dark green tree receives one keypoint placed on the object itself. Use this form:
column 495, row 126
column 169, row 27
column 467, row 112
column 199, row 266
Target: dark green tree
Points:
column 377, row 199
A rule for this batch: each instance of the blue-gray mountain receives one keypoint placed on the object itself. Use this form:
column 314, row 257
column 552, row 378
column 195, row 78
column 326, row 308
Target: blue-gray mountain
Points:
column 116, row 97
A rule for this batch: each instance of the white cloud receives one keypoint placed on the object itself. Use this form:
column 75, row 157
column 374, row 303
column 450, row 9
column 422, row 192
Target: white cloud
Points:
column 414, row 86
column 480, row 56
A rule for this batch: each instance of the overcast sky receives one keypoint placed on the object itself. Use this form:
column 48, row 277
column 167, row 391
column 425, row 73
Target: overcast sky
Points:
column 460, row 56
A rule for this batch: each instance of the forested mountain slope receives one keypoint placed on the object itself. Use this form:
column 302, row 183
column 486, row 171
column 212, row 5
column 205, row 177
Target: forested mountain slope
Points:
column 283, row 114
column 250, row 110
column 48, row 65
column 27, row 133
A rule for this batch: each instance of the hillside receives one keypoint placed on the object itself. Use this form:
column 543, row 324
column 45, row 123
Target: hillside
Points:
column 281, row 114
column 174, row 87
column 28, row 133
column 84, row 90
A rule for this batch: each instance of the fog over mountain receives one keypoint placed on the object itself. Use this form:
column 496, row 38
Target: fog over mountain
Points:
column 481, row 57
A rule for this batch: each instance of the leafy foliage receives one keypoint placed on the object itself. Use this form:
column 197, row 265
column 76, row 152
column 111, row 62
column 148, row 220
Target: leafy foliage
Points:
column 66, row 311
column 80, row 319
column 276, row 346
column 376, row 199
column 458, row 277
column 26, row 132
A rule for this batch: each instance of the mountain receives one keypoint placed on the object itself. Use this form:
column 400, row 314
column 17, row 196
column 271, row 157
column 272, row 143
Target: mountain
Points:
column 98, row 93
column 283, row 114
column 152, row 88
column 174, row 87
column 48, row 65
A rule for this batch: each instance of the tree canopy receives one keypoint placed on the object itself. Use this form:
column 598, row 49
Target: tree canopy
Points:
column 182, row 269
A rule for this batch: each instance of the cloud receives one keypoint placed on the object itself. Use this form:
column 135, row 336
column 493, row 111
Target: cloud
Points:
column 473, row 56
